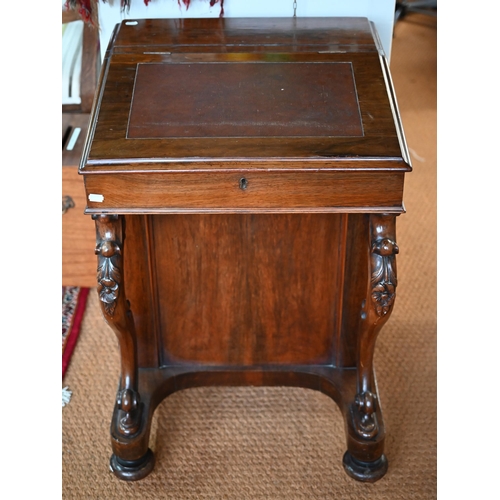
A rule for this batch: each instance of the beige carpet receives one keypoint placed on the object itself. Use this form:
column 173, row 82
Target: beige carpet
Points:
column 287, row 443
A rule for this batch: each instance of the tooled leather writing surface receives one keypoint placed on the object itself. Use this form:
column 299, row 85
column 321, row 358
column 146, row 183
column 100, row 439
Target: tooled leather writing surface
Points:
column 244, row 99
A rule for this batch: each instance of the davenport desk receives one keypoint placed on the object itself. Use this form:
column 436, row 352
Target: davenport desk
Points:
column 244, row 176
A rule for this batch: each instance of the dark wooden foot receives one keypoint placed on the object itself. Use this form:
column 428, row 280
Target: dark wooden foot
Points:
column 368, row 472
column 132, row 470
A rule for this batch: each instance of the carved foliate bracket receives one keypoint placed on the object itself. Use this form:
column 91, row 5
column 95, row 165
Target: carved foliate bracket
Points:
column 376, row 309
column 116, row 310
column 108, row 274
column 383, row 278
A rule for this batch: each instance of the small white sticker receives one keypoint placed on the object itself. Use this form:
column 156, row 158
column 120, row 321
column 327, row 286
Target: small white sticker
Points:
column 99, row 198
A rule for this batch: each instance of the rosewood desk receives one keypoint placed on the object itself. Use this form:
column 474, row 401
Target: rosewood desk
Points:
column 244, row 176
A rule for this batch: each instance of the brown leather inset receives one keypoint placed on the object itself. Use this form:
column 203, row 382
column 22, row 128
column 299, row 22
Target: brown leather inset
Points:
column 255, row 99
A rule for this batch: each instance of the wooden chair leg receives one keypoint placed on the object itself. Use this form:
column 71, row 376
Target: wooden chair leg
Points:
column 365, row 460
column 128, row 462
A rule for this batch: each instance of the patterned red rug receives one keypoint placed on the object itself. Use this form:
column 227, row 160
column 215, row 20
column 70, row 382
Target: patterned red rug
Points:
column 74, row 300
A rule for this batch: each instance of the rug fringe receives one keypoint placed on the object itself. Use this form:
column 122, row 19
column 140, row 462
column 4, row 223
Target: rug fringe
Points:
column 66, row 396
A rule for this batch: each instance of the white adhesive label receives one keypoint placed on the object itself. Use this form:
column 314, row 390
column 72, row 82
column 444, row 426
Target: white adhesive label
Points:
column 99, row 198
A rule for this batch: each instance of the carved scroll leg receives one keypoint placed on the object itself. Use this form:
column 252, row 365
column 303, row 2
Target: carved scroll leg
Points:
column 136, row 462
column 364, row 459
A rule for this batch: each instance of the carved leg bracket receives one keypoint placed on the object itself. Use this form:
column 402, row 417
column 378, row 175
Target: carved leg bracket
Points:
column 376, row 310
column 116, row 311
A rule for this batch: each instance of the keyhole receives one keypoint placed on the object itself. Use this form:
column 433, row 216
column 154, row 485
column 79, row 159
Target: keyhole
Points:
column 243, row 183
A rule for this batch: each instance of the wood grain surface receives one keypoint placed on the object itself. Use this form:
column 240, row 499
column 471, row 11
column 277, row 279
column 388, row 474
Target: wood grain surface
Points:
column 78, row 234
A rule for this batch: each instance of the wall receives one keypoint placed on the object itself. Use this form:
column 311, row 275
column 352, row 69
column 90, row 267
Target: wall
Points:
column 381, row 12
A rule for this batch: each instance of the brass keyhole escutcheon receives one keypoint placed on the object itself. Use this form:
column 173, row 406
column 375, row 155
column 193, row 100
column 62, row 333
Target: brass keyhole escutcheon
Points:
column 243, row 183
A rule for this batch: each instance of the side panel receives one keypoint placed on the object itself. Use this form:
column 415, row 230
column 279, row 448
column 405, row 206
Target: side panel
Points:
column 139, row 288
column 249, row 289
column 355, row 286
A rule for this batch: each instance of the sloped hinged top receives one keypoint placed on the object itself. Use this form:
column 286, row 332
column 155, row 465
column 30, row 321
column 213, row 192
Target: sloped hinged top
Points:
column 283, row 93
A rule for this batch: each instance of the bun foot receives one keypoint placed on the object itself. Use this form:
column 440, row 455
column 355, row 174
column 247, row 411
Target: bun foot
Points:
column 132, row 470
column 368, row 472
